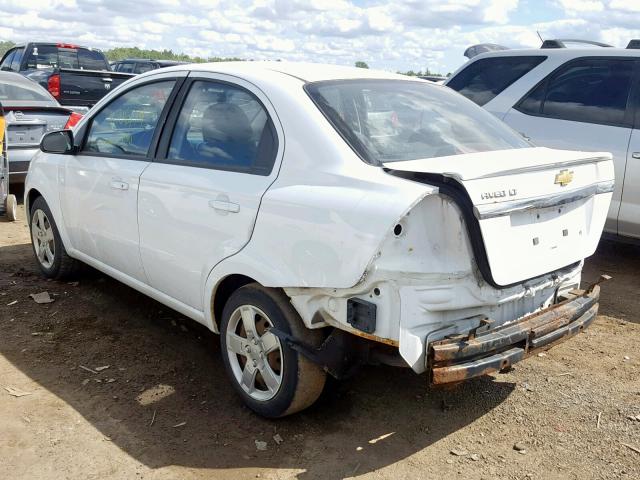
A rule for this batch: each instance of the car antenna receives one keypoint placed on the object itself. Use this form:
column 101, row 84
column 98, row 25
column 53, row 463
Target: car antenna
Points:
column 539, row 36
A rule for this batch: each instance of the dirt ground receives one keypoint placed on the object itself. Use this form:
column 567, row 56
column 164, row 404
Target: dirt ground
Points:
column 164, row 409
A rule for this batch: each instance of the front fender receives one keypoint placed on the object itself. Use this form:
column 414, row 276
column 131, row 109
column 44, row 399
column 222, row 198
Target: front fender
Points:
column 43, row 177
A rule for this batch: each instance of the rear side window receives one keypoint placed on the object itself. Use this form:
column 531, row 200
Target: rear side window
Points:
column 144, row 67
column 223, row 127
column 592, row 90
column 91, row 60
column 125, row 67
column 125, row 127
column 484, row 79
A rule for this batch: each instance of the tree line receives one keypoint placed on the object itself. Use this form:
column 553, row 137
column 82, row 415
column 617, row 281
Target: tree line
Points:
column 120, row 53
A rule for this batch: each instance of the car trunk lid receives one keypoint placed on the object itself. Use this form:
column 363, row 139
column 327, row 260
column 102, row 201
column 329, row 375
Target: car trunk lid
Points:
column 537, row 209
column 27, row 125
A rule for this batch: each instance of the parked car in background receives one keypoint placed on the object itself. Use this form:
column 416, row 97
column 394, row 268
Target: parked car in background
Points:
column 141, row 65
column 428, row 235
column 574, row 98
column 29, row 112
column 8, row 202
column 434, row 78
column 75, row 76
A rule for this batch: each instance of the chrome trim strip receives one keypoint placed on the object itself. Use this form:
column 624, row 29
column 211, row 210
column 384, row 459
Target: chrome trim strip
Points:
column 537, row 168
column 501, row 209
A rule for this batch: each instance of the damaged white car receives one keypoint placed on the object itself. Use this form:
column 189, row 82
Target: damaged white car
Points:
column 321, row 218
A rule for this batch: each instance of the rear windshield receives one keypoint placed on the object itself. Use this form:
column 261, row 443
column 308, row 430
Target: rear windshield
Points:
column 396, row 120
column 48, row 56
column 11, row 92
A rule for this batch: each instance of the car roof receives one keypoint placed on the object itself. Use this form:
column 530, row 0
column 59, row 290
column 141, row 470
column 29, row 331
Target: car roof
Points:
column 305, row 72
column 563, row 53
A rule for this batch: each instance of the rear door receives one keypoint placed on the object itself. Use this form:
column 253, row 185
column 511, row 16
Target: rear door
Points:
column 629, row 217
column 583, row 105
column 198, row 203
column 99, row 191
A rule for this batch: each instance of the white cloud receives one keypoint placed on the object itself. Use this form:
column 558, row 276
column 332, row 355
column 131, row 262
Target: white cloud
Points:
column 394, row 35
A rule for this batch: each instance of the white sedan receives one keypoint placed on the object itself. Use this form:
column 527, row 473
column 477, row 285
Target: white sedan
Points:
column 323, row 217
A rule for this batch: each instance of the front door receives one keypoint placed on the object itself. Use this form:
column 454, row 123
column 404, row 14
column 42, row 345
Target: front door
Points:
column 100, row 184
column 198, row 203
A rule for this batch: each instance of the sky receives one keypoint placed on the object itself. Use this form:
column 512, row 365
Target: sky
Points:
column 399, row 35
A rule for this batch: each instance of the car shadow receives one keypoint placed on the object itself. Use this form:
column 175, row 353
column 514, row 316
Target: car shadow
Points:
column 619, row 297
column 165, row 399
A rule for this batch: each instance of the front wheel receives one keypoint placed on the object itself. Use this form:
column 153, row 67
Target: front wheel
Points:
column 271, row 378
column 47, row 245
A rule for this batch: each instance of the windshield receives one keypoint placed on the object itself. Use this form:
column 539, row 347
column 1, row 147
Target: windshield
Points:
column 397, row 120
column 47, row 56
column 12, row 92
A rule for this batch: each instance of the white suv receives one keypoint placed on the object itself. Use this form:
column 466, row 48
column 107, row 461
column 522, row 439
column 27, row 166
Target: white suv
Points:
column 573, row 98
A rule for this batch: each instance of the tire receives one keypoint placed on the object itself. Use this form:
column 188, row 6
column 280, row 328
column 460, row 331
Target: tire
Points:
column 11, row 208
column 48, row 249
column 284, row 381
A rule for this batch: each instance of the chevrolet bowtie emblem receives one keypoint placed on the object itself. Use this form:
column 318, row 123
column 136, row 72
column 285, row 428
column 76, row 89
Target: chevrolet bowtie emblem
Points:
column 564, row 178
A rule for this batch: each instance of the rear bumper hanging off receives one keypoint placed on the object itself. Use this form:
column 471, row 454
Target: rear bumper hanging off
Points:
column 460, row 358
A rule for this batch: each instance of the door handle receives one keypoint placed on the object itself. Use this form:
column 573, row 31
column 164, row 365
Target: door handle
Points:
column 224, row 206
column 119, row 185
column 635, row 155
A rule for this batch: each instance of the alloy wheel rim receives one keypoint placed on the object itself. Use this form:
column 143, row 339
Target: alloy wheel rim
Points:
column 255, row 354
column 43, row 240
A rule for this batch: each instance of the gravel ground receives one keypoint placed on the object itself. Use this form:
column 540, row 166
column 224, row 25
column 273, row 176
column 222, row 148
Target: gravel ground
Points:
column 164, row 409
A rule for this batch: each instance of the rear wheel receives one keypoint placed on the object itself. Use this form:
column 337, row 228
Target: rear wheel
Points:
column 47, row 245
column 272, row 379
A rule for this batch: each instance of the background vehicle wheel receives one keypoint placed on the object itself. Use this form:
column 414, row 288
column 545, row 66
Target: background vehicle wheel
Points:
column 47, row 245
column 272, row 379
column 11, row 208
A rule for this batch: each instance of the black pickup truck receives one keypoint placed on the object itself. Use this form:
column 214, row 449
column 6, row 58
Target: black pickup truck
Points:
column 76, row 76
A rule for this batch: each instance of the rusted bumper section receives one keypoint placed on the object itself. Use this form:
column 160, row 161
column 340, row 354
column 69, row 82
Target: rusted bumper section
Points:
column 461, row 358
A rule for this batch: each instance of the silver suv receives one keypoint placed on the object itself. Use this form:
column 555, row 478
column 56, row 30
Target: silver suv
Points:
column 569, row 98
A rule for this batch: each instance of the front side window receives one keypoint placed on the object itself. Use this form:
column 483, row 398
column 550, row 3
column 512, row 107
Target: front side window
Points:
column 396, row 120
column 127, row 124
column 6, row 63
column 484, row 79
column 594, row 90
column 224, row 127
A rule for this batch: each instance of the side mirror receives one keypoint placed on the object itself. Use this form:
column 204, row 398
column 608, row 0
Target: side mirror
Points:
column 57, row 142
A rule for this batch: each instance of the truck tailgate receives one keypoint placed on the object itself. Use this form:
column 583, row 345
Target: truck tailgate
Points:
column 86, row 87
